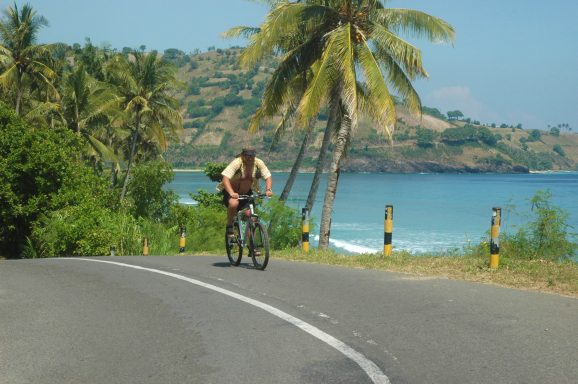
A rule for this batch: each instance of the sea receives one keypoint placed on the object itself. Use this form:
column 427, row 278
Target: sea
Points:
column 431, row 212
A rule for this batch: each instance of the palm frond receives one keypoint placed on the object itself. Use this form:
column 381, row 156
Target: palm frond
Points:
column 240, row 31
column 416, row 24
column 383, row 107
column 101, row 149
column 388, row 45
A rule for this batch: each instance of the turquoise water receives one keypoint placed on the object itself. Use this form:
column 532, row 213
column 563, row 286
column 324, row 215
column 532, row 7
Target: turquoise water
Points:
column 432, row 212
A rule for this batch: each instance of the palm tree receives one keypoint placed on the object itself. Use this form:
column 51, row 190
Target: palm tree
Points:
column 354, row 46
column 22, row 63
column 86, row 105
column 144, row 82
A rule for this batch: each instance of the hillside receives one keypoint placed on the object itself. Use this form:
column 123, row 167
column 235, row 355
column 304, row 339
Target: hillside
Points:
column 218, row 100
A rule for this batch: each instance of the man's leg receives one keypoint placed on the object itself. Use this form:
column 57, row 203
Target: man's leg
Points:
column 231, row 210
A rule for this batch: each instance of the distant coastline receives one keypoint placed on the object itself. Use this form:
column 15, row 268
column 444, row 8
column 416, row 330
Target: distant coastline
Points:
column 187, row 170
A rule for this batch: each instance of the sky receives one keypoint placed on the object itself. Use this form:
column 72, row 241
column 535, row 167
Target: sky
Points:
column 512, row 62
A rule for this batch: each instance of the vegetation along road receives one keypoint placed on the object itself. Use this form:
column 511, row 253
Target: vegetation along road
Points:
column 198, row 320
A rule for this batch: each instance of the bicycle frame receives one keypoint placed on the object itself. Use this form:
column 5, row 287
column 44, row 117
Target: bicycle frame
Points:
column 242, row 219
column 250, row 234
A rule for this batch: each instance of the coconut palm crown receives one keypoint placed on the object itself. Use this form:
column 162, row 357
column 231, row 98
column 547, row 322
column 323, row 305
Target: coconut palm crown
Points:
column 356, row 61
column 353, row 42
column 23, row 64
column 144, row 83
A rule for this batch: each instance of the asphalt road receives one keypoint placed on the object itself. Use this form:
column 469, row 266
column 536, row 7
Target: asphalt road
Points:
column 199, row 320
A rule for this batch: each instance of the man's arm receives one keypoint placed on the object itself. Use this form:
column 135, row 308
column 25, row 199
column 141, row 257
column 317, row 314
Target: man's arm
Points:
column 269, row 186
column 229, row 188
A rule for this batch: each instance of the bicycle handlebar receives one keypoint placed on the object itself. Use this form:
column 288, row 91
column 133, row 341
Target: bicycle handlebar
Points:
column 251, row 197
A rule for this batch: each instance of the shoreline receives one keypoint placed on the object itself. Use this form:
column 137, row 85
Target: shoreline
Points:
column 531, row 172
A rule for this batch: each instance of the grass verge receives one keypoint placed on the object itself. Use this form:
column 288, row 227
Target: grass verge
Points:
column 535, row 275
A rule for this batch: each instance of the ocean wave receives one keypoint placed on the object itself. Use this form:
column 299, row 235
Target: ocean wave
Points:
column 374, row 245
column 348, row 246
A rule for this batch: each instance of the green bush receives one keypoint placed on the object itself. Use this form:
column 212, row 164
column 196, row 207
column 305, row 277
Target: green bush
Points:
column 425, row 137
column 213, row 170
column 547, row 237
column 204, row 226
column 81, row 230
column 285, row 231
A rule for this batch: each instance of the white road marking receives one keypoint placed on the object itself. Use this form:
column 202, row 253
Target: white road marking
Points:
column 368, row 366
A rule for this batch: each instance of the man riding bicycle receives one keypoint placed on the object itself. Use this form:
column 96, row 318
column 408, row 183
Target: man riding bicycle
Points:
column 241, row 177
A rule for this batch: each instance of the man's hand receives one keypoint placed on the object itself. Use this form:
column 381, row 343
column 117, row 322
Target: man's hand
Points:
column 234, row 195
column 269, row 193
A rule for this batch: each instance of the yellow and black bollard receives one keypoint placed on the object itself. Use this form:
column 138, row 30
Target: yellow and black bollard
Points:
column 145, row 248
column 182, row 242
column 388, row 229
column 495, row 238
column 305, row 229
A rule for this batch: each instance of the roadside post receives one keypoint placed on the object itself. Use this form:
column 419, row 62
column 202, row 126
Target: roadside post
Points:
column 305, row 229
column 495, row 238
column 145, row 248
column 112, row 250
column 182, row 242
column 388, row 229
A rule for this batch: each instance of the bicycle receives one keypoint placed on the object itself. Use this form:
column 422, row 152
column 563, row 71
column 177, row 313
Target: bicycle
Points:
column 248, row 232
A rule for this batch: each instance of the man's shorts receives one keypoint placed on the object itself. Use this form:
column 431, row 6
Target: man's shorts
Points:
column 242, row 203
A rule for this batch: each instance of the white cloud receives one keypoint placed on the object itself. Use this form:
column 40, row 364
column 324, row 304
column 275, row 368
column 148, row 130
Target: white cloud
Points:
column 457, row 97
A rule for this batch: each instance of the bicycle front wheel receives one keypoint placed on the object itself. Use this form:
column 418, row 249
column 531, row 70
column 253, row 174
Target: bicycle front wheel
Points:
column 259, row 246
column 234, row 250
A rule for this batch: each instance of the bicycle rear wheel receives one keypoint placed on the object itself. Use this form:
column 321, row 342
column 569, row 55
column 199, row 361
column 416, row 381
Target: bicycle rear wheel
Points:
column 259, row 246
column 234, row 251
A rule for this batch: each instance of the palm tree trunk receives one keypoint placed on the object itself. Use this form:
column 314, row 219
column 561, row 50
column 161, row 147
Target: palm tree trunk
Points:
column 297, row 163
column 113, row 173
column 18, row 101
column 294, row 171
column 338, row 152
column 130, row 157
column 331, row 124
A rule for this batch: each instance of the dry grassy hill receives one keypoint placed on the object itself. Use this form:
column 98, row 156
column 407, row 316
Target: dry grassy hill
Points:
column 218, row 99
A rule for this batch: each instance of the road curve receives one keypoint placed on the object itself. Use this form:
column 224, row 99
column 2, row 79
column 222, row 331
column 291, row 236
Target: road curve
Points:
column 198, row 320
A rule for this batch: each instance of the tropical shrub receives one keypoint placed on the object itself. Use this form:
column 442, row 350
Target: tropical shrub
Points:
column 547, row 237
column 285, row 231
column 425, row 137
column 559, row 150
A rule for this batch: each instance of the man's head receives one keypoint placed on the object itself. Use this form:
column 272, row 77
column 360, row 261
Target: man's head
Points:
column 248, row 153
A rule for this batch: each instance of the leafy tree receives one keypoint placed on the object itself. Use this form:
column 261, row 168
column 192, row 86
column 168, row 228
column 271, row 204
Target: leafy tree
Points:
column 455, row 115
column 24, row 65
column 40, row 173
column 558, row 149
column 433, row 112
column 555, row 131
column 149, row 199
column 535, row 135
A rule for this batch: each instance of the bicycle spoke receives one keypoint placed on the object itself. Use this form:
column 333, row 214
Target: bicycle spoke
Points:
column 259, row 246
column 234, row 251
